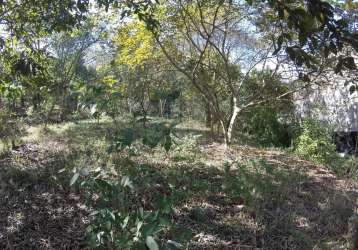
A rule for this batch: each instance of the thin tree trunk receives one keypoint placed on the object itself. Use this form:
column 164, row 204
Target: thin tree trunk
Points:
column 49, row 114
column 63, row 111
column 229, row 129
column 208, row 117
column 161, row 108
column 129, row 107
column 231, row 125
column 224, row 129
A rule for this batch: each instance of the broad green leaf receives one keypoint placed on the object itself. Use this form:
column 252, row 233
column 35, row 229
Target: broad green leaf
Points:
column 125, row 222
column 93, row 109
column 126, row 182
column 74, row 178
column 151, row 243
column 168, row 143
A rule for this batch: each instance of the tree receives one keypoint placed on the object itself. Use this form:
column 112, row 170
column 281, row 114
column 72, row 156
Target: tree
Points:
column 208, row 46
column 303, row 25
column 69, row 50
column 146, row 77
column 207, row 41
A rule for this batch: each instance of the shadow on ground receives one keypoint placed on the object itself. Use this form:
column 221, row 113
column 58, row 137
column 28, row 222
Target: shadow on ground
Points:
column 38, row 210
column 244, row 199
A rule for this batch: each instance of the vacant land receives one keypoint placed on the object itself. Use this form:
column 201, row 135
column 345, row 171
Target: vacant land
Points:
column 178, row 124
column 241, row 198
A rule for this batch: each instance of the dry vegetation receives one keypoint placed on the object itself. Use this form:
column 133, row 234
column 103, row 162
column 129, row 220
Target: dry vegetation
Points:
column 244, row 198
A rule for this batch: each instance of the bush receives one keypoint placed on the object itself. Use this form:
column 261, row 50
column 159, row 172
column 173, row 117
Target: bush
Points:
column 346, row 167
column 265, row 126
column 315, row 142
column 131, row 203
column 159, row 134
column 119, row 221
column 11, row 128
column 186, row 148
column 125, row 215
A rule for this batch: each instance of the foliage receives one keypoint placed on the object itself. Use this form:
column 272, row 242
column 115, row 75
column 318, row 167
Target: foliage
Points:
column 251, row 183
column 270, row 123
column 315, row 142
column 147, row 81
column 346, row 167
column 123, row 216
column 303, row 25
column 166, row 53
column 156, row 134
column 101, row 98
column 136, row 44
column 185, row 148
column 11, row 128
column 119, row 220
column 265, row 126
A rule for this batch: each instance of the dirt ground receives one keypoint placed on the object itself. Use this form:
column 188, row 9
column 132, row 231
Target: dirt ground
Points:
column 244, row 198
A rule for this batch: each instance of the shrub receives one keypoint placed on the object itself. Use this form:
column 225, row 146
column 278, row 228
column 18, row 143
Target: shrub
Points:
column 315, row 142
column 156, row 135
column 346, row 167
column 250, row 182
column 130, row 208
column 264, row 125
column 186, row 148
column 122, row 216
column 11, row 128
column 119, row 221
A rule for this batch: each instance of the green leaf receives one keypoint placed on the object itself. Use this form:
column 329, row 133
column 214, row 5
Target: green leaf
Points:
column 113, row 216
column 93, row 109
column 103, row 185
column 352, row 89
column 74, row 178
column 164, row 221
column 177, row 245
column 149, row 229
column 125, row 222
column 168, row 143
column 151, row 243
column 126, row 182
column 139, row 226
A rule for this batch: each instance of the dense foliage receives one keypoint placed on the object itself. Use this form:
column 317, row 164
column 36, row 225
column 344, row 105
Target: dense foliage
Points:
column 315, row 142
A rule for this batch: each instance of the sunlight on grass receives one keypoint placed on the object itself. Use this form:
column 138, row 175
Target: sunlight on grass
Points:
column 259, row 193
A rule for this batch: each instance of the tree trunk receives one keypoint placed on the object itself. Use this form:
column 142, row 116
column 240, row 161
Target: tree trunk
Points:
column 128, row 106
column 208, row 116
column 47, row 119
column 232, row 123
column 230, row 127
column 209, row 121
column 225, row 133
column 63, row 111
column 35, row 102
column 161, row 107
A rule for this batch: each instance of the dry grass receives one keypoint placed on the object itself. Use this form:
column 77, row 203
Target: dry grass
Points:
column 244, row 198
